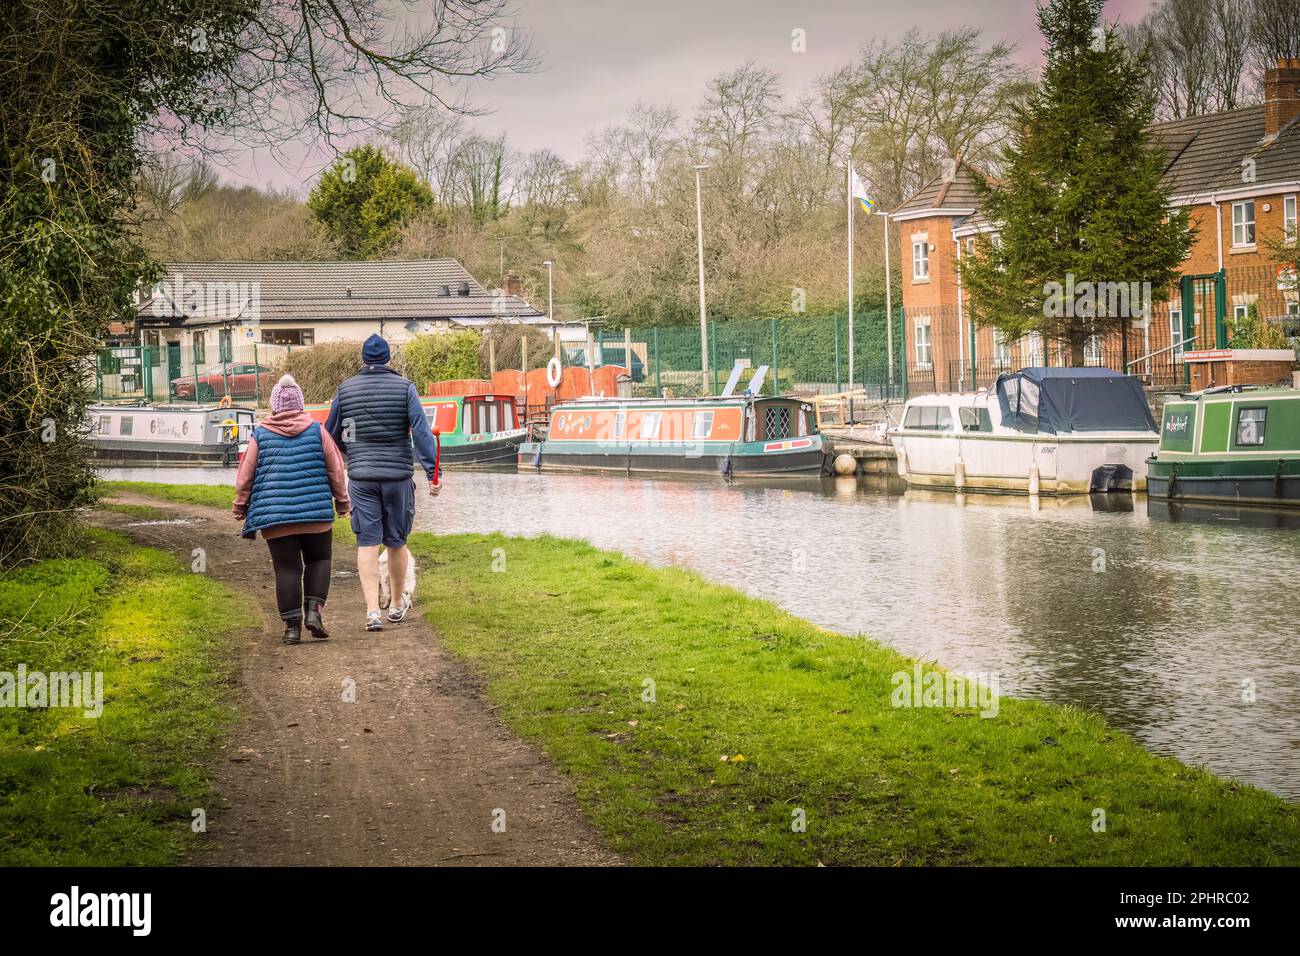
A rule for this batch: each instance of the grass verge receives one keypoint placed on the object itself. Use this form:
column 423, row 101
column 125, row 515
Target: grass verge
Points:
column 638, row 682
column 118, row 789
column 211, row 496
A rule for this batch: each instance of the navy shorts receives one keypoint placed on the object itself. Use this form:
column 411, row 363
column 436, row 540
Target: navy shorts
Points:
column 382, row 511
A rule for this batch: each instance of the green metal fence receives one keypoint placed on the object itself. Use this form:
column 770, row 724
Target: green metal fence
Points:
column 804, row 355
column 171, row 372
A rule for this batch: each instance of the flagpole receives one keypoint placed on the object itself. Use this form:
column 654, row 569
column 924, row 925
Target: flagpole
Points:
column 889, row 306
column 848, row 181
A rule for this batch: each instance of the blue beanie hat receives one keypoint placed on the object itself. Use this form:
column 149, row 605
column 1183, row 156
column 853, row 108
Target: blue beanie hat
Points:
column 375, row 351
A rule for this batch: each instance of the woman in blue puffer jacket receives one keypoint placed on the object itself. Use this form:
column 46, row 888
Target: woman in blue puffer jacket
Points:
column 290, row 483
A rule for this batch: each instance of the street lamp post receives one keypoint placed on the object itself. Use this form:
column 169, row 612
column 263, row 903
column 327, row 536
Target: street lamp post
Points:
column 699, row 237
column 550, row 285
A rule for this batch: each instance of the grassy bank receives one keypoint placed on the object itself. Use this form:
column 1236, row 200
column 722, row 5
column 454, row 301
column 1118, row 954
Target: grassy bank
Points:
column 757, row 715
column 118, row 789
column 638, row 682
column 211, row 496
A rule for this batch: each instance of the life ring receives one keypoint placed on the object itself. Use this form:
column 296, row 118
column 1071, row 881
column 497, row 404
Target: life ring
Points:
column 225, row 402
column 554, row 372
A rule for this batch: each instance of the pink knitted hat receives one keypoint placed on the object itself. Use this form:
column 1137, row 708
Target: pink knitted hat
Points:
column 286, row 396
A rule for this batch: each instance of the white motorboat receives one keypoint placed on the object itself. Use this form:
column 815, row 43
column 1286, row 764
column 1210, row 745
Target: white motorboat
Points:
column 1050, row 431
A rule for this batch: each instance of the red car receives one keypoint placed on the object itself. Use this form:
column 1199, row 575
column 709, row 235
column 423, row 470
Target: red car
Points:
column 239, row 381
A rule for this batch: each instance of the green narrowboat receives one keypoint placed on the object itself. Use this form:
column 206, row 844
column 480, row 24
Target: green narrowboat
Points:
column 472, row 429
column 1236, row 444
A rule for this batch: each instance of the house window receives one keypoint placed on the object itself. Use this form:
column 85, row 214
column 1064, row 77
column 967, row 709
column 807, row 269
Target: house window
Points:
column 1243, row 223
column 1250, row 426
column 1176, row 331
column 1034, row 350
column 1288, row 218
column 703, row 423
column 1001, row 349
column 920, row 260
column 1092, row 350
column 224, row 345
column 1239, row 312
column 650, row 426
column 289, row 336
column 200, row 348
column 924, row 358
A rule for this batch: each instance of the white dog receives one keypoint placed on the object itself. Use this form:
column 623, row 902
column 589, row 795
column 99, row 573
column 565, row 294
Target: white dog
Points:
column 408, row 588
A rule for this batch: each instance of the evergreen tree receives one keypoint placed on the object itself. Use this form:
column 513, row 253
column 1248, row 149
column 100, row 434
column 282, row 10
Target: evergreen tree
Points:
column 1082, row 200
column 363, row 199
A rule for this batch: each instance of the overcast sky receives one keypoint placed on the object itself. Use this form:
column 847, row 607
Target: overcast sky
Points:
column 600, row 57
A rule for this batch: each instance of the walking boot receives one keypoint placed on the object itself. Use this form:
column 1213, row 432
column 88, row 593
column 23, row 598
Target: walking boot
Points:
column 292, row 631
column 312, row 620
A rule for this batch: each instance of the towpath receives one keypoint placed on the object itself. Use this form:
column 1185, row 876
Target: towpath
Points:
column 365, row 749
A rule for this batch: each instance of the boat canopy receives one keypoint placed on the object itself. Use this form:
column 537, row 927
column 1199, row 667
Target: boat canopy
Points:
column 1053, row 400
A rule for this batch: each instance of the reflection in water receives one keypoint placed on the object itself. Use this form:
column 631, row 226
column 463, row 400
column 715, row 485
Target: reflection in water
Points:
column 1194, row 602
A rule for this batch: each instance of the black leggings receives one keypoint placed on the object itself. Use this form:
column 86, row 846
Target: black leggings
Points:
column 302, row 565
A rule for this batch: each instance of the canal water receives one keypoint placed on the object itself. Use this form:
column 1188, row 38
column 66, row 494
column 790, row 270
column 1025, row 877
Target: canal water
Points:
column 1180, row 627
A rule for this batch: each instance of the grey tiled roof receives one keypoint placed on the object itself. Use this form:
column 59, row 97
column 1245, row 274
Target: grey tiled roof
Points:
column 1206, row 152
column 940, row 193
column 325, row 291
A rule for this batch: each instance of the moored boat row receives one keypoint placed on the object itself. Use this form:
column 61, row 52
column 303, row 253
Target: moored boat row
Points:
column 1036, row 431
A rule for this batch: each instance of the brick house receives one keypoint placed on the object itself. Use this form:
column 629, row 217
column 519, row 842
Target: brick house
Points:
column 1238, row 171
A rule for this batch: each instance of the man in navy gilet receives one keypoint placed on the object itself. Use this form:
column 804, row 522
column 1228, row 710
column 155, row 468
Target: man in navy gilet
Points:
column 373, row 418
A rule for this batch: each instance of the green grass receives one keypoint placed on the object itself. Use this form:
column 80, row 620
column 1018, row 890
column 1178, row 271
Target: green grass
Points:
column 118, row 789
column 567, row 635
column 212, row 496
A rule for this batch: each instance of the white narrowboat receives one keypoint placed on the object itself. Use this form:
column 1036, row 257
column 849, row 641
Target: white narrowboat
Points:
column 141, row 435
column 1049, row 431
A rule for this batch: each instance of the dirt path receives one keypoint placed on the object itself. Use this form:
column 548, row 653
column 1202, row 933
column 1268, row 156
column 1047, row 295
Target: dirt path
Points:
column 412, row 772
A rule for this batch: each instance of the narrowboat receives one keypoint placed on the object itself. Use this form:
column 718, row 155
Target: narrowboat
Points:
column 472, row 429
column 1038, row 431
column 1233, row 444
column 142, row 435
column 736, row 436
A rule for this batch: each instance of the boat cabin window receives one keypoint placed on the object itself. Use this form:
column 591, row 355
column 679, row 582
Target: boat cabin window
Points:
column 125, row 427
column 486, row 417
column 1250, row 426
column 975, row 419
column 703, row 424
column 777, row 420
column 936, row 418
column 105, row 424
column 650, row 425
column 620, row 423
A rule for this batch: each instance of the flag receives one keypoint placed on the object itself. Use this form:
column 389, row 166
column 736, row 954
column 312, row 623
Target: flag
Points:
column 860, row 194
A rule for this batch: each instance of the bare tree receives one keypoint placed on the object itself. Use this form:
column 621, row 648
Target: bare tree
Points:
column 1275, row 31
column 738, row 110
column 427, row 138
column 1198, row 54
